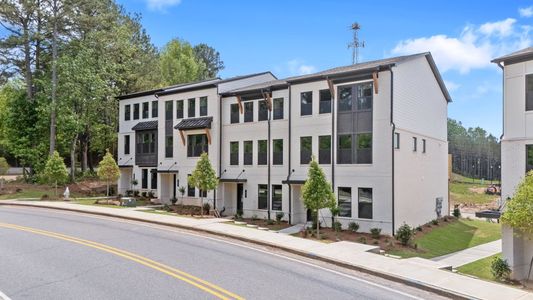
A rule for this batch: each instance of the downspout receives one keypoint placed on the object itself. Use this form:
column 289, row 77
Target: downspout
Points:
column 219, row 145
column 393, row 132
column 333, row 140
column 290, row 157
column 268, row 163
column 503, row 131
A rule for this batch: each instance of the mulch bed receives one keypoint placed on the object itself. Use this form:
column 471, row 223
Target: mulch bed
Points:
column 264, row 223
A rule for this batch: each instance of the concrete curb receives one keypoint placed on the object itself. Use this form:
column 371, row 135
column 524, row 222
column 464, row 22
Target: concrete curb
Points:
column 410, row 282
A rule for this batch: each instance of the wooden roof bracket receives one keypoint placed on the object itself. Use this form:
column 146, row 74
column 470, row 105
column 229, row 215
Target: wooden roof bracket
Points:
column 239, row 101
column 268, row 99
column 375, row 76
column 331, row 88
column 182, row 137
column 208, row 133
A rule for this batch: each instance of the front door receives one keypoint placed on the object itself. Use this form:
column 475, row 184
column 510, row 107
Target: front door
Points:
column 239, row 197
column 309, row 215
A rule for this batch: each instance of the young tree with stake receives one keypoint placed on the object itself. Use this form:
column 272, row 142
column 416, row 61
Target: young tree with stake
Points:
column 108, row 169
column 55, row 172
column 203, row 178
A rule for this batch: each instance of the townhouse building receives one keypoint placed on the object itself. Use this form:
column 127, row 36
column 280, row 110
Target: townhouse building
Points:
column 516, row 147
column 378, row 129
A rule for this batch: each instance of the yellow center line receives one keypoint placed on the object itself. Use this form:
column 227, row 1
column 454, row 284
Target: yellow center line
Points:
column 181, row 275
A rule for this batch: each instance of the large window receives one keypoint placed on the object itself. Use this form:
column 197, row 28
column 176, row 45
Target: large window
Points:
column 136, row 111
column 365, row 203
column 144, row 178
column 146, row 110
column 415, row 142
column 234, row 153
column 168, row 110
column 324, row 149
column 197, row 144
column 278, row 109
column 262, row 152
column 263, row 110
column 191, row 190
column 154, row 109
column 345, row 202
column 306, row 149
column 306, row 103
column 191, row 113
column 248, row 111
column 203, row 106
column 234, row 113
column 169, row 140
column 278, row 152
column 423, row 145
column 529, row 92
column 127, row 112
column 277, row 202
column 179, row 109
column 325, row 101
column 146, row 142
column 262, row 196
column 529, row 158
column 153, row 182
column 354, row 124
column 248, row 152
column 126, row 144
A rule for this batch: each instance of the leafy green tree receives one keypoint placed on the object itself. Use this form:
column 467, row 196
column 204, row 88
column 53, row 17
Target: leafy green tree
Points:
column 178, row 63
column 317, row 192
column 210, row 59
column 203, row 177
column 519, row 210
column 108, row 170
column 55, row 172
column 4, row 167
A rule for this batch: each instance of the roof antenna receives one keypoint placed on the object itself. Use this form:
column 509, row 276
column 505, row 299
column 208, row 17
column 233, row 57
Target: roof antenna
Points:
column 356, row 44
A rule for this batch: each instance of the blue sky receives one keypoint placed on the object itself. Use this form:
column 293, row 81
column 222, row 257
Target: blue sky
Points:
column 295, row 37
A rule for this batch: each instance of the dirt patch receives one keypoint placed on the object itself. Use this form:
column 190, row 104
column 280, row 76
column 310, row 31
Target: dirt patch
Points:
column 477, row 190
column 273, row 225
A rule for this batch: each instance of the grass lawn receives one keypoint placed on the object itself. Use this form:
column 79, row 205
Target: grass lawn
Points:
column 479, row 268
column 34, row 192
column 451, row 237
column 85, row 201
column 465, row 193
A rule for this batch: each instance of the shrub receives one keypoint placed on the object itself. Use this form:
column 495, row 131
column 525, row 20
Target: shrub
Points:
column 435, row 222
column 151, row 194
column 419, row 228
column 129, row 193
column 206, row 207
column 337, row 226
column 376, row 242
column 500, row 269
column 353, row 226
column 143, row 194
column 404, row 234
column 270, row 222
column 135, row 193
column 279, row 216
column 173, row 200
column 254, row 217
column 456, row 211
column 238, row 215
column 362, row 240
column 44, row 197
column 375, row 232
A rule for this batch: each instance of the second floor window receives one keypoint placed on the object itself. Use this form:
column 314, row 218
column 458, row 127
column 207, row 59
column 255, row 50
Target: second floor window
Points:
column 344, row 149
column 168, row 110
column 234, row 153
column 262, row 152
column 126, row 144
column 196, row 145
column 146, row 142
column 278, row 109
column 325, row 101
column 529, row 92
column 127, row 112
column 263, row 111
column 136, row 111
column 146, row 110
column 203, row 106
column 234, row 111
column 248, row 152
column 154, row 109
column 324, row 149
column 192, row 108
column 248, row 111
column 179, row 109
column 306, row 149
column 306, row 103
column 277, row 152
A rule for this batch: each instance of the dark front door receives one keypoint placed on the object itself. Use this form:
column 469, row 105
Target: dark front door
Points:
column 309, row 215
column 239, row 197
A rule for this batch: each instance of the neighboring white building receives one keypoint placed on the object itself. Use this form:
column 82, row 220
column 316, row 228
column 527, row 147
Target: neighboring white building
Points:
column 516, row 146
column 377, row 128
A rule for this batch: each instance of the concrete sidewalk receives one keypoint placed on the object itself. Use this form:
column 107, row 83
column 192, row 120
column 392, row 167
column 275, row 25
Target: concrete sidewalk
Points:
column 469, row 255
column 419, row 272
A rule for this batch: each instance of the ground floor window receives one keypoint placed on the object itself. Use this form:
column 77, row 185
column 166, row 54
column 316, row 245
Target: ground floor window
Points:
column 262, row 196
column 529, row 158
column 345, row 202
column 365, row 203
column 276, row 197
column 144, row 178
column 153, row 183
column 191, row 192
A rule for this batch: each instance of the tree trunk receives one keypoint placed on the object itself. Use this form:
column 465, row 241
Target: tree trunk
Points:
column 73, row 159
column 107, row 183
column 53, row 120
column 56, row 187
column 201, row 204
column 317, row 225
column 27, row 61
column 84, row 151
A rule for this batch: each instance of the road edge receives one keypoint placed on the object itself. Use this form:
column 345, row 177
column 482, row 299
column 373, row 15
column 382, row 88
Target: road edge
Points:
column 410, row 282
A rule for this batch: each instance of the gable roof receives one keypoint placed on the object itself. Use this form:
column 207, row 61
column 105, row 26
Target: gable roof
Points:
column 515, row 57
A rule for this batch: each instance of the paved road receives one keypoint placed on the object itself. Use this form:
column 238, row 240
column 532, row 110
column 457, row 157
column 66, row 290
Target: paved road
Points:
column 46, row 254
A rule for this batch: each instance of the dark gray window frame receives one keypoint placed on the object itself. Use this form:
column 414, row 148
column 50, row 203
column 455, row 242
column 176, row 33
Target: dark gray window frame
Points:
column 529, row 92
column 234, row 113
column 415, row 142
column 136, row 111
column 262, row 111
column 146, row 110
column 191, row 107
column 127, row 112
column 277, row 109
column 234, row 156
column 306, row 154
column 262, row 156
column 324, row 155
column 155, row 109
column 180, row 107
column 153, row 179
column 345, row 205
column 262, row 196
column 144, row 179
column 365, row 210
column 127, row 141
column 396, row 140
column 423, row 145
column 324, row 102
column 196, row 147
column 248, row 111
column 277, row 198
column 248, row 156
column 306, row 109
column 203, row 108
column 529, row 160
column 169, row 146
column 191, row 190
column 168, row 110
column 277, row 156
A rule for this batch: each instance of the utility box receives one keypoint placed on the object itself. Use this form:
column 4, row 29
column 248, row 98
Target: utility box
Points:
column 129, row 202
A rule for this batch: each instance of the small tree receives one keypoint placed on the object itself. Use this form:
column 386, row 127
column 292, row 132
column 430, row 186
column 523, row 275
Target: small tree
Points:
column 316, row 192
column 203, row 178
column 519, row 211
column 108, row 169
column 4, row 167
column 55, row 172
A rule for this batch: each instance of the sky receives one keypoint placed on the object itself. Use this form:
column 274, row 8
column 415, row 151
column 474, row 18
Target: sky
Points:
column 299, row 37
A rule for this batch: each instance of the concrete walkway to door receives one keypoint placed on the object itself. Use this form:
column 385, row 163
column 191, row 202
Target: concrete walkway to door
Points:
column 469, row 255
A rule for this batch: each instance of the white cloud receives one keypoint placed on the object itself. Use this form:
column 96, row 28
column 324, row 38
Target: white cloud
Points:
column 451, row 86
column 526, row 12
column 297, row 67
column 474, row 48
column 161, row 4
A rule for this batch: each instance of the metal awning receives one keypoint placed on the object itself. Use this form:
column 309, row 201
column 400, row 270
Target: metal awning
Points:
column 233, row 180
column 293, row 181
column 195, row 123
column 145, row 125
